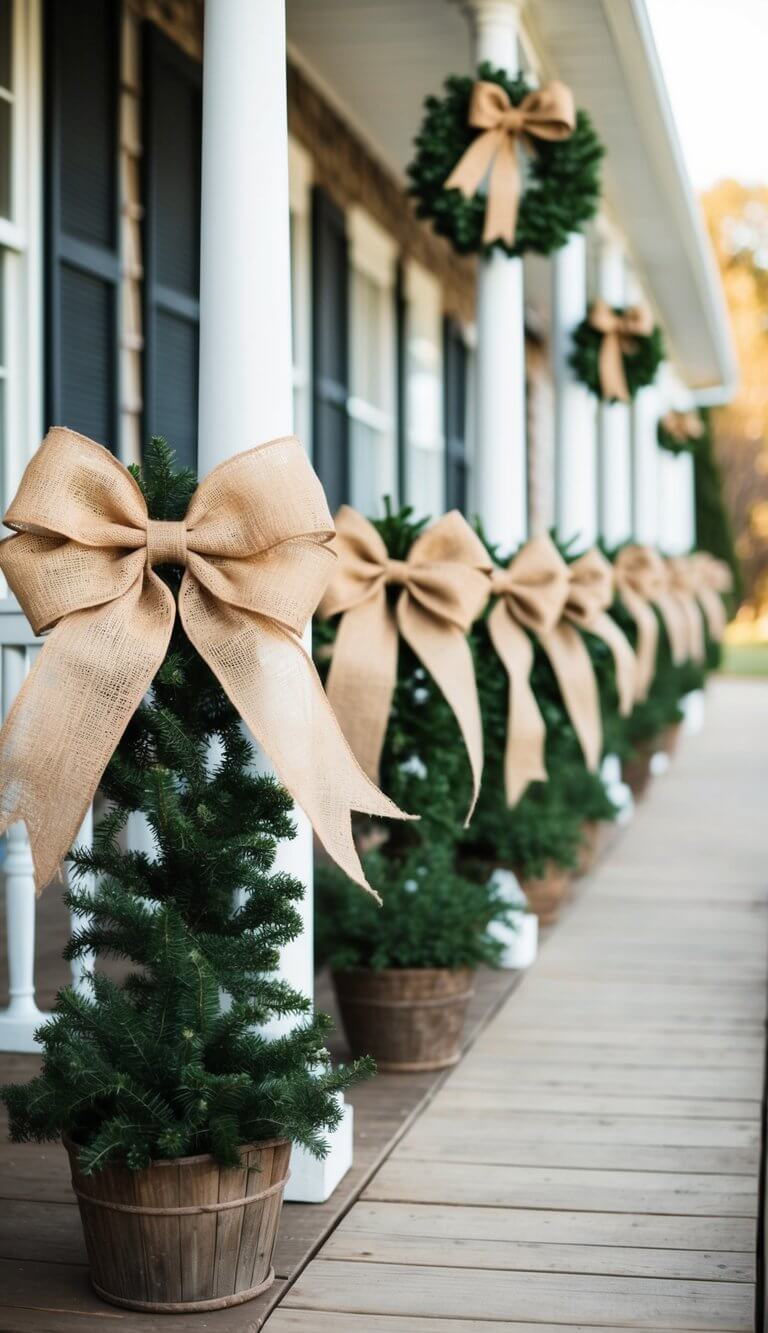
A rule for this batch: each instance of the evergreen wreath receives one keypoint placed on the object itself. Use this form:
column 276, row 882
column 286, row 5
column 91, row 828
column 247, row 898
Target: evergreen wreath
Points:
column 154, row 1066
column 561, row 189
column 640, row 365
column 691, row 444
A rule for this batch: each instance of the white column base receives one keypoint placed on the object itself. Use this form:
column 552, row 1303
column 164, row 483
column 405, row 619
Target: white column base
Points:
column 18, row 1025
column 617, row 791
column 659, row 764
column 521, row 941
column 314, row 1181
column 693, row 707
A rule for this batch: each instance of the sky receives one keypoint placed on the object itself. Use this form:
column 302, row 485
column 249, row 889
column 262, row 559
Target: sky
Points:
column 715, row 59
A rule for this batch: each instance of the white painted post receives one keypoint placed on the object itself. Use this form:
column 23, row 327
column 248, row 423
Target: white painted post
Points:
column 80, row 966
column 19, row 1020
column 645, row 466
column 499, row 467
column 575, row 407
column 615, row 506
column 245, row 334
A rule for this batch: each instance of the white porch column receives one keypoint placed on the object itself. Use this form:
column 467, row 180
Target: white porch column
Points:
column 615, row 449
column 645, row 466
column 676, row 503
column 245, row 281
column 499, row 468
column 575, row 407
column 245, row 333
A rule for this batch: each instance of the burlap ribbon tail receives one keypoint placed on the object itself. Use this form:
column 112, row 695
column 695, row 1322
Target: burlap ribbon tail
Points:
column 620, row 332
column 530, row 596
column 682, row 590
column 444, row 588
column 589, row 600
column 533, row 595
column 548, row 114
column 255, row 549
column 710, row 579
column 638, row 576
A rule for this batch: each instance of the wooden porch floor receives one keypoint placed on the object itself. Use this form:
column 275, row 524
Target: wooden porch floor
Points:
column 594, row 1161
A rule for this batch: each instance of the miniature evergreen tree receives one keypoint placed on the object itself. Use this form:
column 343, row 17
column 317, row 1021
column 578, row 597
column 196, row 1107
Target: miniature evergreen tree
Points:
column 170, row 1061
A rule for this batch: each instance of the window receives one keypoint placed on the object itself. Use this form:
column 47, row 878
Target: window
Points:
column 457, row 363
column 424, row 438
column 20, row 261
column 330, row 339
column 372, row 371
column 300, row 169
column 83, row 216
column 172, row 150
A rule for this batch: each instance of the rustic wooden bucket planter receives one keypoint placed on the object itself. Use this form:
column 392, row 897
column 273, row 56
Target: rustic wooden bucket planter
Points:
column 183, row 1235
column 592, row 839
column 408, row 1019
column 636, row 771
column 547, row 893
column 670, row 739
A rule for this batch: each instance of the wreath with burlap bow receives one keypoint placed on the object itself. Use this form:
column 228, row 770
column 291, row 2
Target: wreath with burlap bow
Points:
column 499, row 163
column 681, row 432
column 617, row 351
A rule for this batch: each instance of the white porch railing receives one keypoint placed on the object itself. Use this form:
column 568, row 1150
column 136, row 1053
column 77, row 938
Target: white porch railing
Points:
column 21, row 1016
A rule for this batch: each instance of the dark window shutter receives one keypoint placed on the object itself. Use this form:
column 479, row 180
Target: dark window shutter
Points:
column 82, row 216
column 172, row 152
column 455, row 409
column 330, row 347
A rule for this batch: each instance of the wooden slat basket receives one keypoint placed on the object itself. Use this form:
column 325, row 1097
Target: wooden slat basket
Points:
column 408, row 1019
column 183, row 1235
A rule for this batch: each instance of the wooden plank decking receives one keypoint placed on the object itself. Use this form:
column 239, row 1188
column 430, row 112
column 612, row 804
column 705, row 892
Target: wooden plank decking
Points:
column 594, row 1161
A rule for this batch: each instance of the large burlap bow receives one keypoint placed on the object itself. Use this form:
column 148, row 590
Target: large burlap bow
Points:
column 682, row 427
column 711, row 578
column 531, row 595
column 639, row 576
column 620, row 331
column 548, row 114
column 254, row 544
column 589, row 598
column 444, row 585
column 682, row 588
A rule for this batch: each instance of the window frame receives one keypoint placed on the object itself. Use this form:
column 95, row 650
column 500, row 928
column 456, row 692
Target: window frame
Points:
column 21, row 247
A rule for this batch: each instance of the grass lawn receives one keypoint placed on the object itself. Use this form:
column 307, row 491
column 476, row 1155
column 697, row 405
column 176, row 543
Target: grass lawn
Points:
column 745, row 659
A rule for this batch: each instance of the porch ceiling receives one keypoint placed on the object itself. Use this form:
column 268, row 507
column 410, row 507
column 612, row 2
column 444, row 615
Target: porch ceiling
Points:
column 376, row 59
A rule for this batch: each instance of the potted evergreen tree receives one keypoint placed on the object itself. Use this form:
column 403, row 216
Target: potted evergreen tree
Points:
column 177, row 1112
column 403, row 973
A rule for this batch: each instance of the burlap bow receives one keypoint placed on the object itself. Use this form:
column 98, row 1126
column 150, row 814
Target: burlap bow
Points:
column 531, row 595
column 711, row 578
column 254, row 544
column 639, row 576
column 548, row 114
column 444, row 583
column 589, row 598
column 682, row 588
column 620, row 331
column 682, row 427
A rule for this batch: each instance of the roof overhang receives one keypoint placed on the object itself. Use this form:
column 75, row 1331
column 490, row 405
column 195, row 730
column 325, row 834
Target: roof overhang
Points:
column 377, row 59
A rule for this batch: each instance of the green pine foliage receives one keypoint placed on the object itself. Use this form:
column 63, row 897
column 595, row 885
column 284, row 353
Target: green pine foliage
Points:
column 431, row 916
column 562, row 180
column 640, row 365
column 156, row 1066
column 714, row 529
column 425, row 769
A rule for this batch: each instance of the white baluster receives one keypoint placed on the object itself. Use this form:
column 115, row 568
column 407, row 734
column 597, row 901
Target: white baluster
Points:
column 22, row 1016
column 79, row 967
